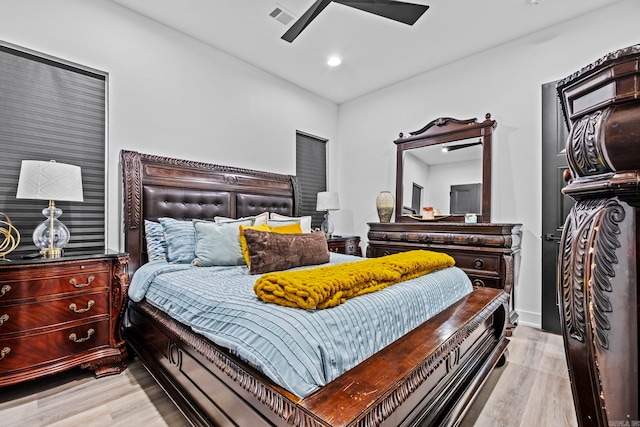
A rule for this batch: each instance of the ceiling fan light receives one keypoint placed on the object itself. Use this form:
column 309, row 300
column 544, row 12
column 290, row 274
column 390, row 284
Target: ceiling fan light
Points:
column 334, row 61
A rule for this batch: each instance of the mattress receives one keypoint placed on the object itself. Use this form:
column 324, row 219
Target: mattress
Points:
column 300, row 350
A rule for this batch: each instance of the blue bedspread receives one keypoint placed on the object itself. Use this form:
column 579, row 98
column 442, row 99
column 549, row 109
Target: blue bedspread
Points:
column 301, row 350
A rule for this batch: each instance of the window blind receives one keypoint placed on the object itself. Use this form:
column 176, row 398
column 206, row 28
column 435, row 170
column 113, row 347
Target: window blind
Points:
column 52, row 109
column 311, row 171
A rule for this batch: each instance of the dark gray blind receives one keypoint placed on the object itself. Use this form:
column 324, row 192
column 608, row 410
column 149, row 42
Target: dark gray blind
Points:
column 52, row 110
column 311, row 171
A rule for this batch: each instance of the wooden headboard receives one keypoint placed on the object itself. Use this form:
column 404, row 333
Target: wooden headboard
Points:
column 156, row 186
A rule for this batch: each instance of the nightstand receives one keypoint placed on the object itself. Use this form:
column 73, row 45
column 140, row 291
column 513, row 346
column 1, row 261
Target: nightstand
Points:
column 348, row 245
column 57, row 314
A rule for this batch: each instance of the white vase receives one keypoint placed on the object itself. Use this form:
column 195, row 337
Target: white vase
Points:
column 385, row 205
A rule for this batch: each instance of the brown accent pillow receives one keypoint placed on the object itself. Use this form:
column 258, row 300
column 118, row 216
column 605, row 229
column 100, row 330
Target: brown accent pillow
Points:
column 272, row 251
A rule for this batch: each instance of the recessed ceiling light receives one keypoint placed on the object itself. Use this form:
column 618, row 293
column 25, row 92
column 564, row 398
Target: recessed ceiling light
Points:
column 334, row 61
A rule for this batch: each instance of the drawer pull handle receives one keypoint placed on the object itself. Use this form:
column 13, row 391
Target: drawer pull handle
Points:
column 4, row 352
column 3, row 318
column 74, row 337
column 75, row 283
column 73, row 307
column 478, row 263
column 4, row 290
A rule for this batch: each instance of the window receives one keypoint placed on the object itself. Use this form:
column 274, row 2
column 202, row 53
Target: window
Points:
column 311, row 171
column 53, row 109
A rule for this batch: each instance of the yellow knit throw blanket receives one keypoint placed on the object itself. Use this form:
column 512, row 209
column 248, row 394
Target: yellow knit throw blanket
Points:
column 329, row 286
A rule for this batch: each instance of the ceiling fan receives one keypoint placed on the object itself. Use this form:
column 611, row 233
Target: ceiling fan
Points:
column 407, row 13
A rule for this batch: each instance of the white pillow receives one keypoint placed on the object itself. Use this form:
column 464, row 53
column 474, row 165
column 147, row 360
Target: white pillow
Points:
column 260, row 219
column 305, row 221
column 218, row 243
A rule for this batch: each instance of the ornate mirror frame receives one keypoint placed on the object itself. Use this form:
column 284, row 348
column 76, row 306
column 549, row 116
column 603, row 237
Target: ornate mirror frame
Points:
column 440, row 131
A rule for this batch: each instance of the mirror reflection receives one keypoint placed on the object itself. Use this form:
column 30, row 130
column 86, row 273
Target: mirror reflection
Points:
column 446, row 177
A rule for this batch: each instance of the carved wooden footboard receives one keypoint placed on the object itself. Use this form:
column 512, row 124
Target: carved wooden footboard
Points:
column 428, row 377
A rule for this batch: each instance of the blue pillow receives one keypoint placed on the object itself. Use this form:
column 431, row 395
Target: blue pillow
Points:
column 218, row 243
column 156, row 243
column 181, row 240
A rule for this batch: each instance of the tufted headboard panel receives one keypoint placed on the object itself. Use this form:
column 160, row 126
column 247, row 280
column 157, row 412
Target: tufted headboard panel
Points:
column 155, row 186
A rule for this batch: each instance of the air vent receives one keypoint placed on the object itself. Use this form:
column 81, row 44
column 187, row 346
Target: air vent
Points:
column 281, row 15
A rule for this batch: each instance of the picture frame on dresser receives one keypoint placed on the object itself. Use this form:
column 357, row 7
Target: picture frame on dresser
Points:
column 62, row 313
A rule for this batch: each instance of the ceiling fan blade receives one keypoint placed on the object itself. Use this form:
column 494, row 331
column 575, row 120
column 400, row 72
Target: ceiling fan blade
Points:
column 407, row 13
column 302, row 22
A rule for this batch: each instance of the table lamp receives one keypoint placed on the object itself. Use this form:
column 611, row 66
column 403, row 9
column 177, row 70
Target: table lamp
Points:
column 327, row 201
column 50, row 181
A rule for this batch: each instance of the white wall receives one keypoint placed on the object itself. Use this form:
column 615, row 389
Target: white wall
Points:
column 504, row 81
column 169, row 94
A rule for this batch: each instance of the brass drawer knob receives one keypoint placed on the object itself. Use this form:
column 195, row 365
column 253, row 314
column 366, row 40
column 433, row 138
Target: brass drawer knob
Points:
column 478, row 263
column 4, row 290
column 74, row 337
column 4, row 352
column 3, row 318
column 75, row 283
column 73, row 307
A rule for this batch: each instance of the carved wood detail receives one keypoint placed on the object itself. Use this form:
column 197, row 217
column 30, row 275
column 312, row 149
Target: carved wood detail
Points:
column 586, row 156
column 589, row 245
column 448, row 352
column 598, row 263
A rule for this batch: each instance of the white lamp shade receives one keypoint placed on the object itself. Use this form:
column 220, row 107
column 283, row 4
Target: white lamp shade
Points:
column 327, row 201
column 49, row 181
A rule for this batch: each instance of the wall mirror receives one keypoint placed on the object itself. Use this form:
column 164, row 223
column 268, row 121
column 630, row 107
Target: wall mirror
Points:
column 446, row 165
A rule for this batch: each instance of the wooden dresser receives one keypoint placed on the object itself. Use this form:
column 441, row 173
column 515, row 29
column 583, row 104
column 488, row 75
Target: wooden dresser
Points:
column 348, row 245
column 489, row 253
column 61, row 313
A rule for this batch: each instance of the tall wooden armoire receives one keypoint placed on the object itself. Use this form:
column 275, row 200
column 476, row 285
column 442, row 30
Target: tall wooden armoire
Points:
column 598, row 263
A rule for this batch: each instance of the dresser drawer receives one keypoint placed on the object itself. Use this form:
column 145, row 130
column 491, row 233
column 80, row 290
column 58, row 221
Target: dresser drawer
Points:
column 477, row 261
column 484, row 281
column 22, row 288
column 27, row 352
column 47, row 313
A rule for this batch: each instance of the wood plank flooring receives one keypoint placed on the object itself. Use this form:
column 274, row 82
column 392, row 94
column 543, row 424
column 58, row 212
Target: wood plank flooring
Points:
column 532, row 389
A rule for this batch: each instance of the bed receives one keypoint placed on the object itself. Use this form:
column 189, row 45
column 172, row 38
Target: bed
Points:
column 428, row 376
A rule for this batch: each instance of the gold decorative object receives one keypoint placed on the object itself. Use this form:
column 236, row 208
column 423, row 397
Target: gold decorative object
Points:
column 73, row 307
column 10, row 237
column 4, row 290
column 75, row 283
column 74, row 337
column 4, row 352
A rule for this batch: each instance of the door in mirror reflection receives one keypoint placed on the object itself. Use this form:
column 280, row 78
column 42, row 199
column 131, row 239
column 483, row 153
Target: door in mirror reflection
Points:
column 465, row 199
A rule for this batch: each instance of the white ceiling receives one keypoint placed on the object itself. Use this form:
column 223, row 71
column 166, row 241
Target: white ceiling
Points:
column 376, row 52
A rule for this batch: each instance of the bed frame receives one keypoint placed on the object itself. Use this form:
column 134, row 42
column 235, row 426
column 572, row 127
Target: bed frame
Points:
column 427, row 377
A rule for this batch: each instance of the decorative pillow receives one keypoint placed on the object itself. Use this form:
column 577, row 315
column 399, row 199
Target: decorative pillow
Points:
column 285, row 229
column 156, row 243
column 305, row 221
column 259, row 219
column 218, row 243
column 273, row 251
column 181, row 240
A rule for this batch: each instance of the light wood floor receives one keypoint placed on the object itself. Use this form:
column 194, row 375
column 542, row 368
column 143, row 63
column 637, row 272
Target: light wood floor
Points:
column 532, row 389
